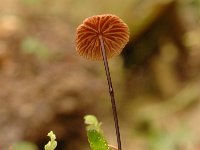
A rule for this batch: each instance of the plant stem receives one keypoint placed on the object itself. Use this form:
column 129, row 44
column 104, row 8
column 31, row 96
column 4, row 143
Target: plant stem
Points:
column 111, row 91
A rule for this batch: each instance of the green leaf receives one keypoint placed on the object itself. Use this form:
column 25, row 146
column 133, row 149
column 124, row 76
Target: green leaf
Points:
column 91, row 119
column 92, row 123
column 95, row 136
column 51, row 145
column 97, row 141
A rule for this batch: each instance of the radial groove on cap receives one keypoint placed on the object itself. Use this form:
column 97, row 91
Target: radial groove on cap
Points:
column 114, row 32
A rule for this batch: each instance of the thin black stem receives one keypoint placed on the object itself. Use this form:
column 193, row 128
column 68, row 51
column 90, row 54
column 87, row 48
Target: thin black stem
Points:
column 111, row 91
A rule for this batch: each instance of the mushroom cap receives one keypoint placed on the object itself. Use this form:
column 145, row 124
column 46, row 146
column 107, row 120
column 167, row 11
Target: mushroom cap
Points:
column 114, row 32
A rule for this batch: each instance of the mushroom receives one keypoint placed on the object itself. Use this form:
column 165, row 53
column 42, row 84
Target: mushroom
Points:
column 101, row 37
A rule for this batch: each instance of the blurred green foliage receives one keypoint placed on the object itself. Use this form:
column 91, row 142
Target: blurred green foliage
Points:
column 24, row 145
column 30, row 2
column 164, row 139
column 32, row 45
column 196, row 5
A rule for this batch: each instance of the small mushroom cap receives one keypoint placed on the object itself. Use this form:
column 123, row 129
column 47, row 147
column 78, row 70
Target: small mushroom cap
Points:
column 114, row 32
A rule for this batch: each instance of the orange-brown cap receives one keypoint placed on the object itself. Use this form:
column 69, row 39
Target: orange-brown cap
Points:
column 114, row 32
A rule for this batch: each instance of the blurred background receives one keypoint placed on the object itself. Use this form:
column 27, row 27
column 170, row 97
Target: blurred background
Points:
column 46, row 86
